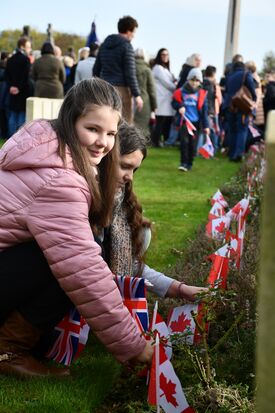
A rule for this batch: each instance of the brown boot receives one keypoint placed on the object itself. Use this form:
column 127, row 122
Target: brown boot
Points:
column 17, row 337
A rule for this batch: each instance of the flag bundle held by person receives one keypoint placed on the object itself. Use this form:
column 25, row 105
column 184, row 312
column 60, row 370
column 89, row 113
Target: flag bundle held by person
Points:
column 165, row 389
column 181, row 320
column 133, row 293
column 207, row 150
column 189, row 125
column 68, row 338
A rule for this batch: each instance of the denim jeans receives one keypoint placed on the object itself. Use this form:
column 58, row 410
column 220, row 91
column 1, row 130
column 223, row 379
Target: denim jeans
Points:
column 237, row 134
column 16, row 119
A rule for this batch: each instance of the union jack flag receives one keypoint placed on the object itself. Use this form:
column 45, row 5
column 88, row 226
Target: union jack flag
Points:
column 68, row 338
column 132, row 290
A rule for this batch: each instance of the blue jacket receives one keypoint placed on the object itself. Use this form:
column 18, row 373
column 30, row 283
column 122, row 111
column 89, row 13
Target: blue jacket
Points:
column 234, row 81
column 116, row 63
column 195, row 104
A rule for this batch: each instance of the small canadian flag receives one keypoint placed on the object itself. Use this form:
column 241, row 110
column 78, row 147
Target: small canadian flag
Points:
column 165, row 389
column 180, row 320
column 218, row 197
column 240, row 209
column 159, row 325
column 219, row 271
column 216, row 211
column 217, row 227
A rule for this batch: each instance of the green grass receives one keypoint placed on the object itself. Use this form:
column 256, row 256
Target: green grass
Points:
column 177, row 203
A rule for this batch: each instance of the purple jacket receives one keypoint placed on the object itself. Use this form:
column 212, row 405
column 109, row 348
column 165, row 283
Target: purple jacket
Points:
column 42, row 199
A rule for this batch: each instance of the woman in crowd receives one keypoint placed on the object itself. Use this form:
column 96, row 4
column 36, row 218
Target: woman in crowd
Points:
column 148, row 92
column 165, row 86
column 48, row 73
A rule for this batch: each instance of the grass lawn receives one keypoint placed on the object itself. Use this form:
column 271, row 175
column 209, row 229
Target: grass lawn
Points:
column 177, row 203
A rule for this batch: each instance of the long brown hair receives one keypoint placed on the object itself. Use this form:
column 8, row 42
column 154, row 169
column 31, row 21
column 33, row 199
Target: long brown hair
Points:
column 132, row 139
column 78, row 101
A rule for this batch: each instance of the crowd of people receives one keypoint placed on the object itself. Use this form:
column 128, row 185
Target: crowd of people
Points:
column 147, row 89
column 69, row 218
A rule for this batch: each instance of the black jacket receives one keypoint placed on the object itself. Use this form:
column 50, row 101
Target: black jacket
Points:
column 116, row 64
column 269, row 99
column 18, row 74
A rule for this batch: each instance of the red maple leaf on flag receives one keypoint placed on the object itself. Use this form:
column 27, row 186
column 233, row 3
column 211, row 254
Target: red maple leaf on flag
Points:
column 180, row 324
column 220, row 227
column 169, row 389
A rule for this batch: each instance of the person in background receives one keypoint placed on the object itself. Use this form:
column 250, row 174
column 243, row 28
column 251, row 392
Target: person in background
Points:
column 191, row 62
column 237, row 120
column 3, row 97
column 115, row 63
column 269, row 97
column 17, row 76
column 259, row 116
column 214, row 101
column 58, row 52
column 148, row 93
column 63, row 178
column 165, row 86
column 190, row 102
column 48, row 74
column 82, row 54
column 68, row 63
column 84, row 68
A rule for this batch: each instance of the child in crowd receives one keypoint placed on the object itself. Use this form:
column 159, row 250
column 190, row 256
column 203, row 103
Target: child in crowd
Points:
column 191, row 105
column 57, row 182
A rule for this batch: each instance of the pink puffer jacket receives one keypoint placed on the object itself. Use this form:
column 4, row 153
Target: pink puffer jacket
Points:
column 41, row 199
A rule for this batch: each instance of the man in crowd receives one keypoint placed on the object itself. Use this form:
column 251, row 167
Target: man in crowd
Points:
column 19, row 84
column 115, row 63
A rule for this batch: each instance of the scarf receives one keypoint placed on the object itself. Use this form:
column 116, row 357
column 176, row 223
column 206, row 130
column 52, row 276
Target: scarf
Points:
column 121, row 251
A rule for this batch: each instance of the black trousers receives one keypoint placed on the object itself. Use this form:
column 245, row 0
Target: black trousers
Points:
column 162, row 127
column 188, row 145
column 28, row 286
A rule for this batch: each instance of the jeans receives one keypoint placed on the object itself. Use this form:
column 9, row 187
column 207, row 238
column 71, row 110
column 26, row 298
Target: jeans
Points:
column 15, row 121
column 237, row 134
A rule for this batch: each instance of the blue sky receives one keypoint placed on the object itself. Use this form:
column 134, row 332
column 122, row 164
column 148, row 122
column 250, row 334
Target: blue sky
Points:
column 182, row 26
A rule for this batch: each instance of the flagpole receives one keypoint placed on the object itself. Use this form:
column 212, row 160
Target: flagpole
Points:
column 154, row 315
column 157, row 371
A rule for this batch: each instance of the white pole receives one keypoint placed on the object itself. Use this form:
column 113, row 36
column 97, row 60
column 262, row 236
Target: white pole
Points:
column 232, row 32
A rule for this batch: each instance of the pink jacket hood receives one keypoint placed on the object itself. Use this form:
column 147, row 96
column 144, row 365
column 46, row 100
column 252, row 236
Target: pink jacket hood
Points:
column 43, row 200
column 34, row 146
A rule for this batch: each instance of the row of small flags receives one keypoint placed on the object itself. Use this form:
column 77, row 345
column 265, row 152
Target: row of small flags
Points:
column 165, row 391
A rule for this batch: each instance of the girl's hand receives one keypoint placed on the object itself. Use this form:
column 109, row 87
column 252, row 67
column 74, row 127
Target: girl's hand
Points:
column 189, row 292
column 146, row 355
column 180, row 290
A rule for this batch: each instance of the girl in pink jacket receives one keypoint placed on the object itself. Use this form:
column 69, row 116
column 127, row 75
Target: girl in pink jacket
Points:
column 57, row 182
